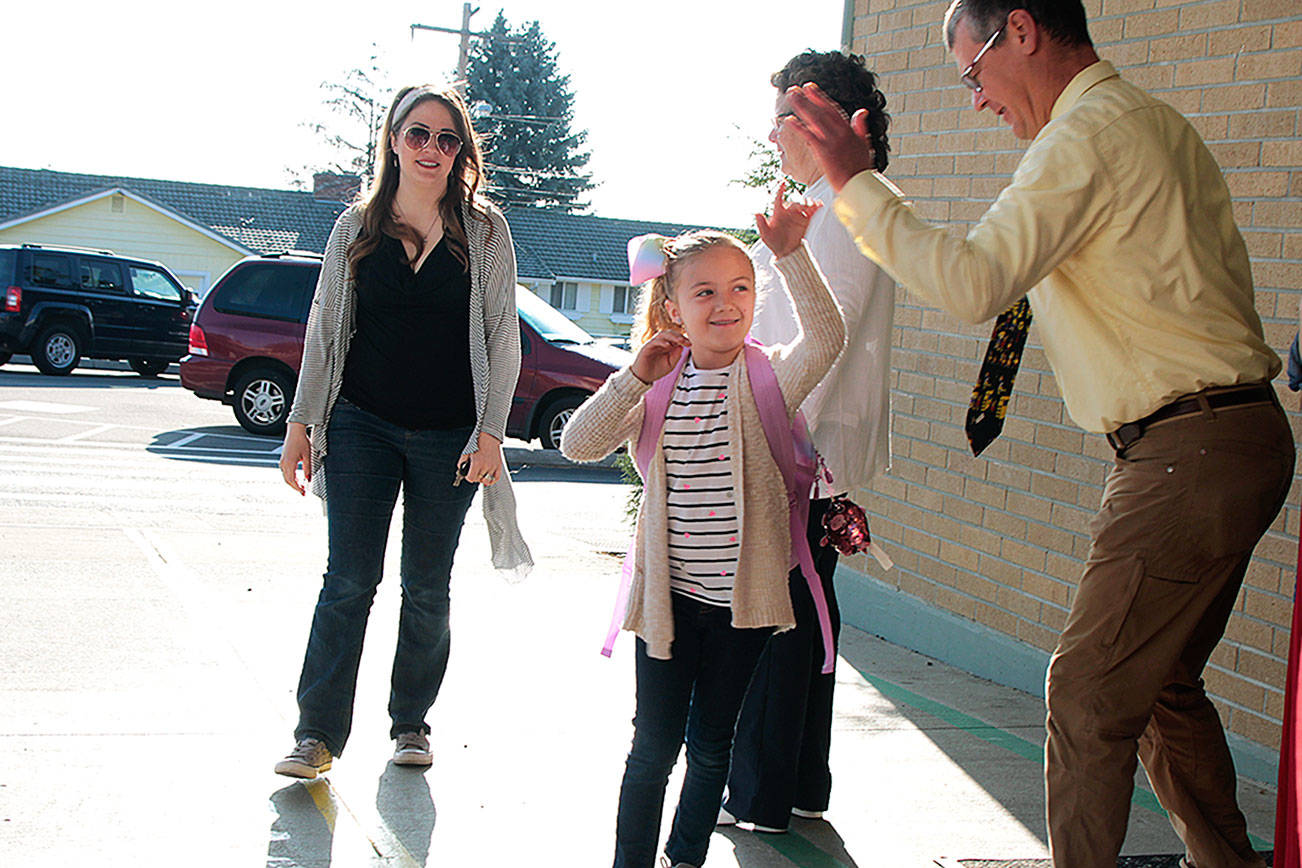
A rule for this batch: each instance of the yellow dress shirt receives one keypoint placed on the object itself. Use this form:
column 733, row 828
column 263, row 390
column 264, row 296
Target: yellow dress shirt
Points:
column 1117, row 227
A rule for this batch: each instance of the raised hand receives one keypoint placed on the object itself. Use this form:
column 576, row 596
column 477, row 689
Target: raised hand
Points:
column 783, row 231
column 658, row 356
column 840, row 144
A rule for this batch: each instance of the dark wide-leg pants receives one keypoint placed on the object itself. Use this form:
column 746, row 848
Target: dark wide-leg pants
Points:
column 784, row 734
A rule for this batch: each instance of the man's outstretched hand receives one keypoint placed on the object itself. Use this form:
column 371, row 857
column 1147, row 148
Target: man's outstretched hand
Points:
column 840, row 144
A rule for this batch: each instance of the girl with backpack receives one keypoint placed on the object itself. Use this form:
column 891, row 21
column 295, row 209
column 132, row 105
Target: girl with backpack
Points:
column 708, row 573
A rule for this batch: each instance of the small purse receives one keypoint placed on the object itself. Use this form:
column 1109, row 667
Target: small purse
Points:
column 845, row 526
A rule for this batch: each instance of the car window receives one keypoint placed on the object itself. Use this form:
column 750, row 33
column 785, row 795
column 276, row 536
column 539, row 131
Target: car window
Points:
column 53, row 270
column 101, row 275
column 550, row 323
column 154, row 284
column 7, row 260
column 266, row 290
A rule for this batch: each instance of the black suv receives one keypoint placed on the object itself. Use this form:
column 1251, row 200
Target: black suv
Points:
column 62, row 304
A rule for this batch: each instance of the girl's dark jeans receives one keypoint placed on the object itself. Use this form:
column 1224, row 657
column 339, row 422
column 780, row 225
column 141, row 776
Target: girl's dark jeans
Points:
column 368, row 460
column 696, row 693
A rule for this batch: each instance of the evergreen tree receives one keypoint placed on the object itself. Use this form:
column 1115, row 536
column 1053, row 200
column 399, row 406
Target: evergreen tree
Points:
column 523, row 108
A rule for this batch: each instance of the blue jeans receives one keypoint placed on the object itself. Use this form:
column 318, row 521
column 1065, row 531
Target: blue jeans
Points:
column 696, row 693
column 368, row 460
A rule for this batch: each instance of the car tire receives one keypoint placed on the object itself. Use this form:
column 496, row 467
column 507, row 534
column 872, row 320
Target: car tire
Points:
column 262, row 400
column 5, row 357
column 57, row 349
column 148, row 367
column 553, row 419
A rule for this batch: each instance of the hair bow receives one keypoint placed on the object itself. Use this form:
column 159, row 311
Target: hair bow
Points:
column 646, row 258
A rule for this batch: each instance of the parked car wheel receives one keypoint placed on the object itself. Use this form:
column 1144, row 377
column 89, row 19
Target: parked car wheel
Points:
column 262, row 401
column 57, row 350
column 148, row 367
column 553, row 419
column 4, row 357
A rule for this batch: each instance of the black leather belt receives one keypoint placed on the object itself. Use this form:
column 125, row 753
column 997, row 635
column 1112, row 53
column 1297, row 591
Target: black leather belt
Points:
column 1127, row 434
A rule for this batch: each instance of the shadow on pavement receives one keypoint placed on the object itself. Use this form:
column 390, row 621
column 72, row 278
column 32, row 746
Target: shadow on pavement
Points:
column 302, row 833
column 404, row 802
column 216, row 444
column 808, row 843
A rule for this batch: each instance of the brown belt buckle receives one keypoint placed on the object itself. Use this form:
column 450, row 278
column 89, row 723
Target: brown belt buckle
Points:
column 1125, row 436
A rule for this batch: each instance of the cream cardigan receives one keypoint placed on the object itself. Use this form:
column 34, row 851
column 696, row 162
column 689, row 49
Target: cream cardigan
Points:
column 613, row 417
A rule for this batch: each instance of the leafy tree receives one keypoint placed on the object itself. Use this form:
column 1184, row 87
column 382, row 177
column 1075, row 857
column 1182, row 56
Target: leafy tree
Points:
column 523, row 107
column 358, row 104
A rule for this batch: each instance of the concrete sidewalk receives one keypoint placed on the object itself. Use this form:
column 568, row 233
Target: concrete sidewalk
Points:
column 149, row 689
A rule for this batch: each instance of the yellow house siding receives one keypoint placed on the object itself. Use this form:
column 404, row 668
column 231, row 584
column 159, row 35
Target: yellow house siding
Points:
column 131, row 229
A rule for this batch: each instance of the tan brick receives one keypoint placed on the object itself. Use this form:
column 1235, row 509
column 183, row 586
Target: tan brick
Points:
column 975, row 585
column 1256, row 728
column 1281, row 154
column 996, row 619
column 1288, row 34
column 1236, row 97
column 1018, row 603
column 1154, row 77
column 1125, row 7
column 1046, row 588
column 1141, row 26
column 1234, row 688
column 1031, row 557
column 1270, row 65
column 1231, row 155
column 1201, row 71
column 1037, row 636
column 1178, row 47
column 1213, row 128
column 1277, row 214
column 1234, row 40
column 1260, row 10
column 1259, row 667
column 1293, row 247
column 1053, row 617
column 954, row 602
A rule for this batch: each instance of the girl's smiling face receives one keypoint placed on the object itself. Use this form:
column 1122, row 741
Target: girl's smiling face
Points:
column 714, row 301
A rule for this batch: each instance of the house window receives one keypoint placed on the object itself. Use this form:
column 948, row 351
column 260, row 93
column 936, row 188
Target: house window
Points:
column 565, row 295
column 619, row 302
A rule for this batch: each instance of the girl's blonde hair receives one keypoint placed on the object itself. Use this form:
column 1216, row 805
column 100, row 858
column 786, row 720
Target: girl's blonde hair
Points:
column 652, row 317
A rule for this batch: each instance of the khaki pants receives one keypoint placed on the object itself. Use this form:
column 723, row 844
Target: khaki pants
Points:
column 1182, row 510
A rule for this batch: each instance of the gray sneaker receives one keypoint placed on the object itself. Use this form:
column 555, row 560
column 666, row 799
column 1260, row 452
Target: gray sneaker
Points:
column 412, row 749
column 309, row 758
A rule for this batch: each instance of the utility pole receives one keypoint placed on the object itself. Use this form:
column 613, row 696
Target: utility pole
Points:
column 465, row 33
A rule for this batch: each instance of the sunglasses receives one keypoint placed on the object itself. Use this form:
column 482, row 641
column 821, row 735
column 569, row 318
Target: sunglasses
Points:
column 418, row 138
column 968, row 78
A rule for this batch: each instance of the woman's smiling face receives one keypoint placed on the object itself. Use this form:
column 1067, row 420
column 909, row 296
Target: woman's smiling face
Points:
column 714, row 300
column 427, row 165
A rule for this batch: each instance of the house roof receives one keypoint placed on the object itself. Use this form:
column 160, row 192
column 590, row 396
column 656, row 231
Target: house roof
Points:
column 256, row 218
column 549, row 244
column 578, row 246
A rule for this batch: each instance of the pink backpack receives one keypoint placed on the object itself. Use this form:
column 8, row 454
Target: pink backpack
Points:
column 792, row 451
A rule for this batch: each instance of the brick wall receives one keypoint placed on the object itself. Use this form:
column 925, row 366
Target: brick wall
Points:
column 1001, row 539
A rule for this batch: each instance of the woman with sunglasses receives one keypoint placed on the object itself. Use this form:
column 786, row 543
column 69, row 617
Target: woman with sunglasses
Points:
column 410, row 360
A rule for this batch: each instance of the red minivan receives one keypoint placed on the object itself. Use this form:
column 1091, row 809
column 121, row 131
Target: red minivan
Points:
column 246, row 345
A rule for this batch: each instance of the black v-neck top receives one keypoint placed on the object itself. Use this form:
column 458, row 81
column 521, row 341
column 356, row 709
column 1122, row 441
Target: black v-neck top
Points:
column 409, row 361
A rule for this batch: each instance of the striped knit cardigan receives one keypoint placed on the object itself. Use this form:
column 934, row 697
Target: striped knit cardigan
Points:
column 494, row 357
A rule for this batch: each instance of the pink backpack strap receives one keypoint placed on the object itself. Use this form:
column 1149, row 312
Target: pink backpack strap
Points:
column 794, row 454
column 655, row 404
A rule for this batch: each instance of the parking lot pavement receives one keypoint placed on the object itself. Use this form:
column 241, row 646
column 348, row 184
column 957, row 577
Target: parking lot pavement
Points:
column 154, row 604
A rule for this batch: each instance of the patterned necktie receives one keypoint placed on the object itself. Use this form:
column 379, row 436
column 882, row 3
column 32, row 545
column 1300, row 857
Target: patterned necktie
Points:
column 985, row 415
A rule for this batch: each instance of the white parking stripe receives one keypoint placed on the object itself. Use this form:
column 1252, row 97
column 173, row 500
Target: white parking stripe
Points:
column 44, row 407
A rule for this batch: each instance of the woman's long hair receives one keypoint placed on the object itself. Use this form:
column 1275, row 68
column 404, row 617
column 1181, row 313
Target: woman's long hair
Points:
column 652, row 317
column 463, row 180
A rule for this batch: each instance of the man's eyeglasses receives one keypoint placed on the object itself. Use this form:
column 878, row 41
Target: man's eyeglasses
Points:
column 970, row 79
column 418, row 137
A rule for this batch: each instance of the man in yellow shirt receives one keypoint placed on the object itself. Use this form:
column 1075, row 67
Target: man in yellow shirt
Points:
column 1118, row 228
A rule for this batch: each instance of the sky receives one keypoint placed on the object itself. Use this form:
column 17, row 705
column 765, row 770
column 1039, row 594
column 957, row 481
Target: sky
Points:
column 672, row 93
